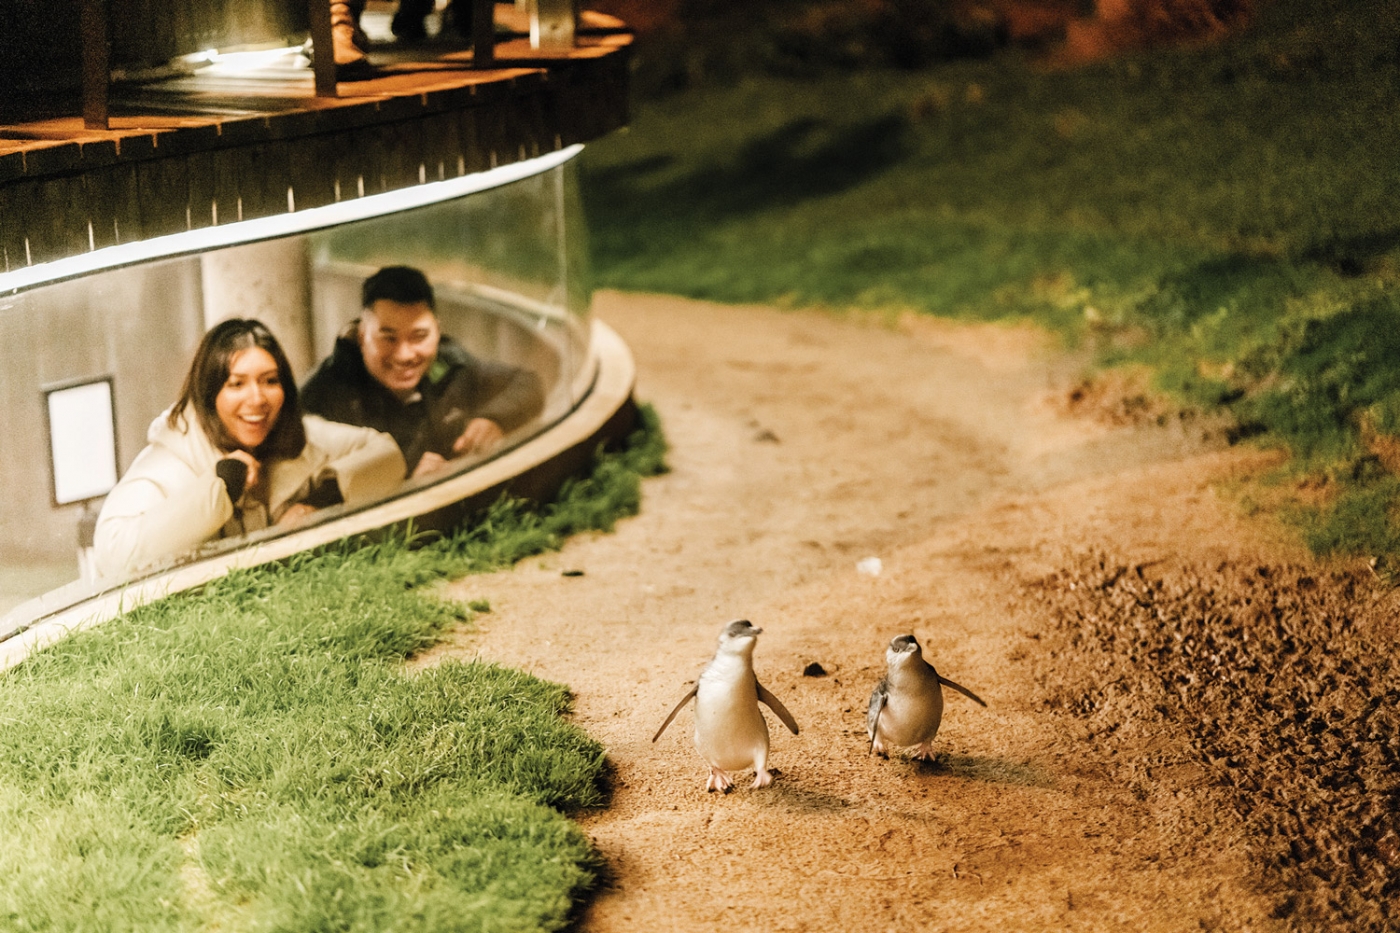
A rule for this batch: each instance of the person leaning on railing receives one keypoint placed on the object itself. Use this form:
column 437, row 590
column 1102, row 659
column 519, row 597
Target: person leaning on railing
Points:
column 234, row 455
column 349, row 42
column 394, row 370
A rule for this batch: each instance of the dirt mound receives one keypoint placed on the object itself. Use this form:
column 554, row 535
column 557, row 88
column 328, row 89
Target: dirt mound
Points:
column 1278, row 682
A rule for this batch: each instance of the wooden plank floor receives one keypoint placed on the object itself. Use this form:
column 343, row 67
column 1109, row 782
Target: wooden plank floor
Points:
column 213, row 146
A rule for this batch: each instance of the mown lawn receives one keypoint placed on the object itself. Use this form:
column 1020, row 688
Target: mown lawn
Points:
column 1227, row 217
column 254, row 756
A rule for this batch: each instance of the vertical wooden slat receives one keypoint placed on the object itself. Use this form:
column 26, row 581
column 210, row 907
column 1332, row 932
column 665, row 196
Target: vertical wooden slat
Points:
column 263, row 179
column 222, row 174
column 52, row 230
column 200, row 182
column 348, row 165
column 165, row 196
column 101, row 202
column 532, row 125
column 97, row 72
column 396, row 166
column 323, row 61
column 492, row 135
column 440, row 149
column 469, row 144
column 310, row 169
column 124, row 192
column 14, row 207
column 483, row 33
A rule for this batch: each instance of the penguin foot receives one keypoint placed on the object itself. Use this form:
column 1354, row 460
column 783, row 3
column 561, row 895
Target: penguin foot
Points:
column 923, row 752
column 878, row 748
column 719, row 781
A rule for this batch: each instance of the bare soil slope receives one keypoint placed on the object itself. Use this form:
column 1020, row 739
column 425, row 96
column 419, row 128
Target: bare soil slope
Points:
column 803, row 443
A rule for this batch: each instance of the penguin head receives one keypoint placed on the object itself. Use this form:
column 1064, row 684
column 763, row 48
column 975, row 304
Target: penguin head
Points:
column 902, row 648
column 739, row 636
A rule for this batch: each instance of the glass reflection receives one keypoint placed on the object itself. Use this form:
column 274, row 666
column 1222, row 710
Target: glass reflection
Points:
column 234, row 454
column 394, row 370
column 507, row 266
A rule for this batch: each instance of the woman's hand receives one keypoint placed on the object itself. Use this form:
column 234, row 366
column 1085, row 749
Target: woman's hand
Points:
column 254, row 467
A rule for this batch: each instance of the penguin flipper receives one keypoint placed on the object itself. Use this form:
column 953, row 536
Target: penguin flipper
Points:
column 684, row 700
column 776, row 705
column 963, row 690
column 878, row 698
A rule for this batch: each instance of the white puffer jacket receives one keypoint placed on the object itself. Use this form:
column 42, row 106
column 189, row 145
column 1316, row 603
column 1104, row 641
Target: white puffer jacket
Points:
column 171, row 501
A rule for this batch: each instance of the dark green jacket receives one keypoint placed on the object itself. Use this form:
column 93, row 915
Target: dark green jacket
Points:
column 457, row 388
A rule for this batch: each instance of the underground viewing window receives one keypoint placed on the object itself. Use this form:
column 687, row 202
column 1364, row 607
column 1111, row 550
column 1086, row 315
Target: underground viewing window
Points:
column 106, row 485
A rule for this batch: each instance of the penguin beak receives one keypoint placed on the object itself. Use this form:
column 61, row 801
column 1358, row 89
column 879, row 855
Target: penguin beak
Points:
column 741, row 628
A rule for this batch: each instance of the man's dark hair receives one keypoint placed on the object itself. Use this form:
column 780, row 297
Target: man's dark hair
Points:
column 403, row 284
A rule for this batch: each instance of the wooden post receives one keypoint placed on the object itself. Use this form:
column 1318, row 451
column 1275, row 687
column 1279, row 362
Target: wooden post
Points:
column 97, row 69
column 323, row 47
column 483, row 33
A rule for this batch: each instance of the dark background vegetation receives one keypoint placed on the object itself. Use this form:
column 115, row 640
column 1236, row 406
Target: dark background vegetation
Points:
column 1203, row 192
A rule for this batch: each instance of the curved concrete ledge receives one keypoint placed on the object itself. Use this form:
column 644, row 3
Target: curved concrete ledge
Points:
column 535, row 469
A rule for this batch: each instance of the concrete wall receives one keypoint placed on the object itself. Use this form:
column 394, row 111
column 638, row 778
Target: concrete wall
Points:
column 140, row 327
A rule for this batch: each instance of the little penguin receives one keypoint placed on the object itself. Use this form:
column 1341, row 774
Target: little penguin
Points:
column 906, row 707
column 730, row 732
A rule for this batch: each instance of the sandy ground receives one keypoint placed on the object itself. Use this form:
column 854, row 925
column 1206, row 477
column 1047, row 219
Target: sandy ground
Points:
column 803, row 443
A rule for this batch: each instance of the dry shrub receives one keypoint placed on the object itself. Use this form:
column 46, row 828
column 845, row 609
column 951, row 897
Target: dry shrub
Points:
column 1170, row 20
column 1120, row 397
column 1119, row 25
column 1283, row 681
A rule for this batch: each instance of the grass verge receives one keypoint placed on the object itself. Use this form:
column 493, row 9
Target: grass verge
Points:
column 253, row 757
column 1224, row 215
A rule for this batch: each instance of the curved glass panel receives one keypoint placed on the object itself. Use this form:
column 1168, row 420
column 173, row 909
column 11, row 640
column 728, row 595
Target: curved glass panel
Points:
column 92, row 362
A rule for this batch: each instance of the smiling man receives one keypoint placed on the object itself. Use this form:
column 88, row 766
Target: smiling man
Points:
column 394, row 370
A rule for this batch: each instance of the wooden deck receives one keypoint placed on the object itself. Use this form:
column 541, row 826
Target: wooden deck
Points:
column 199, row 150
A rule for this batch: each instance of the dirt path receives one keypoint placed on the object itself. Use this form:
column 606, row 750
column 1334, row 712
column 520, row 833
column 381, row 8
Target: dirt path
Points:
column 801, row 445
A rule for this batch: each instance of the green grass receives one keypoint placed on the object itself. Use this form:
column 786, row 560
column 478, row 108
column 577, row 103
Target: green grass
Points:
column 255, row 756
column 1229, row 216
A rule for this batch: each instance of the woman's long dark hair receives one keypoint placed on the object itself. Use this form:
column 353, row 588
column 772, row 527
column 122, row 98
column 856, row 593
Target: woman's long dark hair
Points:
column 209, row 372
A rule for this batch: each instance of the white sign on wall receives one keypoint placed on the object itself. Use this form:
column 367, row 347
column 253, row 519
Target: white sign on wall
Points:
column 82, row 441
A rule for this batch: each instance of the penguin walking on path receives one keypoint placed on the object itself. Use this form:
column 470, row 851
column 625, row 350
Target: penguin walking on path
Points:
column 730, row 731
column 906, row 707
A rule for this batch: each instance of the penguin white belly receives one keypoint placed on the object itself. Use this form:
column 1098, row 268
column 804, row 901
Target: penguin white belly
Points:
column 730, row 732
column 911, row 717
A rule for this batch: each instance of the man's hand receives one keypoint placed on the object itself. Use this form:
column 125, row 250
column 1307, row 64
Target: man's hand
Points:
column 430, row 463
column 481, row 436
column 295, row 515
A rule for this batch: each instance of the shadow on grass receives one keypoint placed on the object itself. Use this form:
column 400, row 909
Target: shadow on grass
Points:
column 1354, row 255
column 803, row 159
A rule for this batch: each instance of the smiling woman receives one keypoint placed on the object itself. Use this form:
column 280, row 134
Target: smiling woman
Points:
column 251, row 398
column 235, row 455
